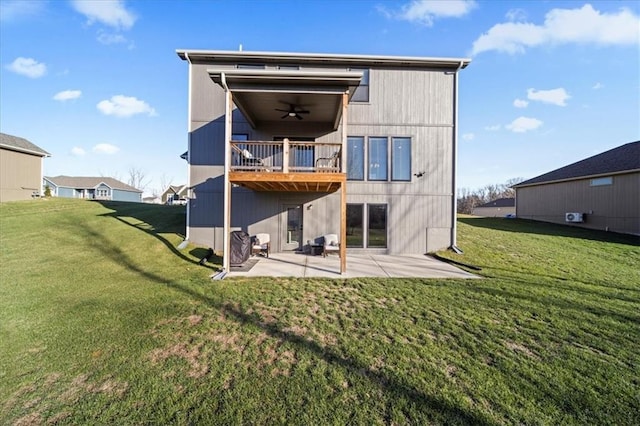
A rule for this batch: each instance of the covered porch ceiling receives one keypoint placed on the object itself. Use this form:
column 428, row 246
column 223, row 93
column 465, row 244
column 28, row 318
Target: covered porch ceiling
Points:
column 267, row 96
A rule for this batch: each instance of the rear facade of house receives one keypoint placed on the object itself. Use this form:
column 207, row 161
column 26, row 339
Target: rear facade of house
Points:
column 601, row 192
column 303, row 145
column 21, row 168
column 92, row 188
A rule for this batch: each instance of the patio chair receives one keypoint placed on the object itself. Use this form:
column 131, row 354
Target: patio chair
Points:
column 331, row 245
column 246, row 158
column 261, row 244
column 328, row 164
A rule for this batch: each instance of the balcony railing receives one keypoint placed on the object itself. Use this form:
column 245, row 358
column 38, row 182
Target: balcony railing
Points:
column 286, row 156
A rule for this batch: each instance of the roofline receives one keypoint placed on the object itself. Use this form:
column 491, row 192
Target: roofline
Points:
column 620, row 172
column 26, row 151
column 91, row 187
column 232, row 55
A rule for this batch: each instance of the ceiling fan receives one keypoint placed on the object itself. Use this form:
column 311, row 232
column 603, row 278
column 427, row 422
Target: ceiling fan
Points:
column 293, row 111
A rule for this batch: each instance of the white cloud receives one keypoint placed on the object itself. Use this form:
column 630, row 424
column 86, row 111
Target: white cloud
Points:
column 108, row 38
column 67, row 95
column 468, row 136
column 520, row 103
column 28, row 67
column 77, row 151
column 493, row 128
column 516, row 15
column 598, row 86
column 125, row 106
column 112, row 13
column 524, row 124
column 427, row 11
column 561, row 26
column 11, row 10
column 554, row 96
column 105, row 148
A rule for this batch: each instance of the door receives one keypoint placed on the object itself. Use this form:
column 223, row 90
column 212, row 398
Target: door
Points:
column 291, row 227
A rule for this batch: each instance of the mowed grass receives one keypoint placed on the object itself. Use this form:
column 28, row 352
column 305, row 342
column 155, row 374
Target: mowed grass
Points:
column 104, row 321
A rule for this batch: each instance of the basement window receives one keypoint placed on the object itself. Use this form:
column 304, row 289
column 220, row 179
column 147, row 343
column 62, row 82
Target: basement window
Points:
column 601, row 181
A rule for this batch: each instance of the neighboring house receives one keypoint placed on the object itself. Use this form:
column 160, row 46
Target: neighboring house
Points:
column 152, row 199
column 496, row 208
column 21, row 168
column 301, row 145
column 92, row 188
column 600, row 192
column 174, row 194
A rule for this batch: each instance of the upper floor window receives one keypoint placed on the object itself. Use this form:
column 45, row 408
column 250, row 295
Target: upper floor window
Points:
column 378, row 158
column 601, row 181
column 355, row 158
column 361, row 93
column 401, row 159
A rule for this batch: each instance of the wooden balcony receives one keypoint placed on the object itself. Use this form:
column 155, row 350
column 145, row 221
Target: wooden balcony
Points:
column 287, row 166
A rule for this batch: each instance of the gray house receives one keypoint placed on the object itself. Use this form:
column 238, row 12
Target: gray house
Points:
column 496, row 208
column 21, row 168
column 600, row 192
column 92, row 188
column 301, row 145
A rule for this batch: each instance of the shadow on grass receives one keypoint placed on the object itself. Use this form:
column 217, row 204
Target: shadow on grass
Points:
column 526, row 226
column 430, row 406
column 155, row 220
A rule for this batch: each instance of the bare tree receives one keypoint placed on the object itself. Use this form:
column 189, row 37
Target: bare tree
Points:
column 468, row 199
column 138, row 178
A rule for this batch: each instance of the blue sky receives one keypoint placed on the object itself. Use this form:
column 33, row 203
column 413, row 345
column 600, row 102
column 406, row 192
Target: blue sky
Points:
column 99, row 86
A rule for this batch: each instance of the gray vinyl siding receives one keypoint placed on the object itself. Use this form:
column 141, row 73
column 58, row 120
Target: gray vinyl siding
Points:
column 20, row 175
column 493, row 211
column 613, row 207
column 129, row 196
column 402, row 103
column 67, row 193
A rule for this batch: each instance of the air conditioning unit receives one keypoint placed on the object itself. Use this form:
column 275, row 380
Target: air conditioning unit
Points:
column 573, row 217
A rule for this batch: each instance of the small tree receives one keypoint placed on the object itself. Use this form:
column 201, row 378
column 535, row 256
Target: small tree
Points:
column 47, row 191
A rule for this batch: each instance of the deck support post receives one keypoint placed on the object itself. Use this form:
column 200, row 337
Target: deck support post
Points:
column 343, row 187
column 226, row 259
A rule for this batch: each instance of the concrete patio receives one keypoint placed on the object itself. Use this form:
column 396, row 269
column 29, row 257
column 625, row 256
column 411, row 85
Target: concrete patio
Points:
column 358, row 265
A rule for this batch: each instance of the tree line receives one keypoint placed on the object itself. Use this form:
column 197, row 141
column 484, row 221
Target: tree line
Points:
column 468, row 199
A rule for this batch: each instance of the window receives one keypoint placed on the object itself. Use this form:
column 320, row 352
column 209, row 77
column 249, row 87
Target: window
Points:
column 401, row 159
column 355, row 230
column 355, row 158
column 102, row 193
column 378, row 159
column 377, row 226
column 601, row 181
column 361, row 93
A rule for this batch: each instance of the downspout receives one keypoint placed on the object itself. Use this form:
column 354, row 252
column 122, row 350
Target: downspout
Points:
column 226, row 260
column 190, row 193
column 454, row 198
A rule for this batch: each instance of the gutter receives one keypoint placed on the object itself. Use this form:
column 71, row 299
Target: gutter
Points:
column 454, row 197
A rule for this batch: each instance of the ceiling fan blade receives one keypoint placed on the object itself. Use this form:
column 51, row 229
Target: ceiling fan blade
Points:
column 282, row 110
column 284, row 116
column 298, row 117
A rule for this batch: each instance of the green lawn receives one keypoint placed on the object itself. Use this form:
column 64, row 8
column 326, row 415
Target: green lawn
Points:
column 104, row 321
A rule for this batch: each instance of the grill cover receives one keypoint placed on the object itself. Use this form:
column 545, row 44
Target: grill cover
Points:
column 240, row 248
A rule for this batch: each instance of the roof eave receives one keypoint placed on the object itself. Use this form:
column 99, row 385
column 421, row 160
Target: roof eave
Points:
column 621, row 172
column 284, row 57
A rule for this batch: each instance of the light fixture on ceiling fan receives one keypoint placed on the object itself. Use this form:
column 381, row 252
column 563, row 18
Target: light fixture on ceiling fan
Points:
column 293, row 111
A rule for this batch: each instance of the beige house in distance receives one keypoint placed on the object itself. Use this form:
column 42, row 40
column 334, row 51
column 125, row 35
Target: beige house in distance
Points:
column 496, row 208
column 21, row 168
column 600, row 192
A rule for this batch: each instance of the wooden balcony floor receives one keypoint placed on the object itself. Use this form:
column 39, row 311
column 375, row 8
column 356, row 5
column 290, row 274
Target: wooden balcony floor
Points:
column 291, row 182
